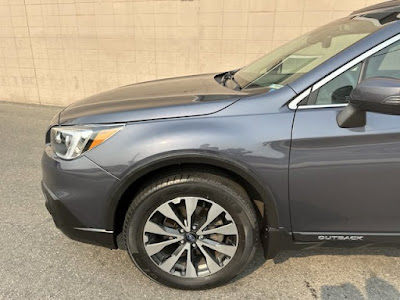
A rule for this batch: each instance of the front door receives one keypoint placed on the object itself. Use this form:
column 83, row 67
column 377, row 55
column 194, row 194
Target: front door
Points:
column 346, row 180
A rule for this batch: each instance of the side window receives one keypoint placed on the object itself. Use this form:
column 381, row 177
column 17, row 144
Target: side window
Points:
column 338, row 90
column 385, row 63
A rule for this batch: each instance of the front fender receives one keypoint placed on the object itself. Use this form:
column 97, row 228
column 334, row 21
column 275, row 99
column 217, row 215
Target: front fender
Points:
column 255, row 147
column 270, row 222
column 205, row 158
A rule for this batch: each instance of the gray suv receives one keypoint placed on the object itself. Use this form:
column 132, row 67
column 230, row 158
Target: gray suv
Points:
column 299, row 149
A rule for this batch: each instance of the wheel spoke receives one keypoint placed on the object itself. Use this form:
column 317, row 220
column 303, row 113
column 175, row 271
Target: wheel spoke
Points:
column 167, row 211
column 229, row 229
column 222, row 248
column 190, row 269
column 152, row 227
column 190, row 204
column 211, row 263
column 169, row 263
column 157, row 247
column 214, row 211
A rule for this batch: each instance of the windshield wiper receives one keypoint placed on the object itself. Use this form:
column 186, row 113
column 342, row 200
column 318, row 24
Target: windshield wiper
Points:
column 229, row 76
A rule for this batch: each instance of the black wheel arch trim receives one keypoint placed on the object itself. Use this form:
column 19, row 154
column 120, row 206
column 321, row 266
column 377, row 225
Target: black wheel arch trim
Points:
column 270, row 221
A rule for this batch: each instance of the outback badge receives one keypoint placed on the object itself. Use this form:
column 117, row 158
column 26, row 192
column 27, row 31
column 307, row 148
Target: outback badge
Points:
column 340, row 237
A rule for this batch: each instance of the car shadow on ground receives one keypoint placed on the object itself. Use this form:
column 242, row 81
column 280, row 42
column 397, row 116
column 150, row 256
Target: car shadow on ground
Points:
column 375, row 251
column 375, row 287
column 283, row 256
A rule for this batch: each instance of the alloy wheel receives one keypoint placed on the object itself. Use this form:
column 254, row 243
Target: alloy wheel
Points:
column 190, row 237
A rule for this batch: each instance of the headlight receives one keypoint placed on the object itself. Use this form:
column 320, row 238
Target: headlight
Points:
column 69, row 142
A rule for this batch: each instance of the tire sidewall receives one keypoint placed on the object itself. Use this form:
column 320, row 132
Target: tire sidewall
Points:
column 227, row 199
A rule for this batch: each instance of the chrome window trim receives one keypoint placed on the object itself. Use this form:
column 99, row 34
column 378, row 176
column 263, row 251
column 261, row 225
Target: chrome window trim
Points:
column 323, row 106
column 299, row 98
column 294, row 103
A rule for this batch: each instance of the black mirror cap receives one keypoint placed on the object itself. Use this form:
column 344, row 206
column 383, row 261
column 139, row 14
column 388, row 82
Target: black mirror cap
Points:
column 377, row 94
column 351, row 117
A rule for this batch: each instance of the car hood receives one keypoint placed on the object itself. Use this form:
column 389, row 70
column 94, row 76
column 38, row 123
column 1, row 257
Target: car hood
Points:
column 160, row 99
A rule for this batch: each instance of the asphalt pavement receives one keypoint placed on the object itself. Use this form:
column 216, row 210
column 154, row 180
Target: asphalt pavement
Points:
column 38, row 262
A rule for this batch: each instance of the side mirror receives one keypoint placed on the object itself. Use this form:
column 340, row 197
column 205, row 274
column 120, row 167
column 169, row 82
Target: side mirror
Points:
column 379, row 94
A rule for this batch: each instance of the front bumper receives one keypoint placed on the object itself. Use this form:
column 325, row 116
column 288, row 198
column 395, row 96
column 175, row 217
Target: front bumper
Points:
column 77, row 194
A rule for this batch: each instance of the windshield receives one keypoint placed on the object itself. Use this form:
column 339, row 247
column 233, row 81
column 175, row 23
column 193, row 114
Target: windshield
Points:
column 286, row 64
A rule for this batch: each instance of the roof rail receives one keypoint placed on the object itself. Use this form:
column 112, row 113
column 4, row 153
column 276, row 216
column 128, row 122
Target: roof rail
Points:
column 383, row 5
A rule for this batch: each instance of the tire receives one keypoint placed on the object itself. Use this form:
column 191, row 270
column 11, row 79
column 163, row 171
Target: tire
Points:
column 211, row 251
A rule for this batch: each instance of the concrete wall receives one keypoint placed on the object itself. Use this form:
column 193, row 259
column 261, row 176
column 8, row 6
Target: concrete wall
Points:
column 57, row 51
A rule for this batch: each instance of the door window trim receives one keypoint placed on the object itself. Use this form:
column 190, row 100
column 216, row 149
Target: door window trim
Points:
column 294, row 104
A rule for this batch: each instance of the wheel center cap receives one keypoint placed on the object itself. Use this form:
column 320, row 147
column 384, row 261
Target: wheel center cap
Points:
column 190, row 237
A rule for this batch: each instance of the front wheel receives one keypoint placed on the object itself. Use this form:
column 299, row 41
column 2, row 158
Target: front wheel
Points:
column 191, row 231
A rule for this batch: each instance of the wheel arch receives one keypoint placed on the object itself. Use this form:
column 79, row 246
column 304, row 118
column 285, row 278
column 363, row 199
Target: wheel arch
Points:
column 149, row 169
